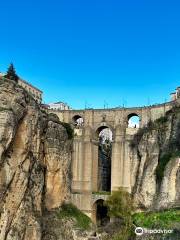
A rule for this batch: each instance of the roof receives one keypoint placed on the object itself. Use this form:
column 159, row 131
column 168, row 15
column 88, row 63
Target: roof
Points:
column 59, row 103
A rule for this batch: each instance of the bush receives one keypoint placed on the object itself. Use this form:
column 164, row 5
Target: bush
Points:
column 120, row 204
column 120, row 207
column 69, row 211
column 164, row 219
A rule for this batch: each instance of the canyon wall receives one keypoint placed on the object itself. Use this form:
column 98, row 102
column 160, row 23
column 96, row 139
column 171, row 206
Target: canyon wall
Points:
column 35, row 158
column 155, row 163
column 35, row 166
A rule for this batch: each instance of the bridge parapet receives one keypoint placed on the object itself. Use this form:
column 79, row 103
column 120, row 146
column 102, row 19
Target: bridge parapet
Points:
column 114, row 116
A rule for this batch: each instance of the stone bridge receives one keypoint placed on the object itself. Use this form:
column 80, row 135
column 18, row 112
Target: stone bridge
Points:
column 86, row 145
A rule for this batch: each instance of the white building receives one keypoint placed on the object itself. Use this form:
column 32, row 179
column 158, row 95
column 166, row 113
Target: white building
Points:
column 176, row 94
column 59, row 106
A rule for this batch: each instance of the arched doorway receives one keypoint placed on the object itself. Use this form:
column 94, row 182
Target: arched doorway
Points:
column 78, row 120
column 133, row 120
column 100, row 213
column 104, row 134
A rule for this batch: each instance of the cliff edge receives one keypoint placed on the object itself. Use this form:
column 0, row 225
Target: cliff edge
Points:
column 35, row 158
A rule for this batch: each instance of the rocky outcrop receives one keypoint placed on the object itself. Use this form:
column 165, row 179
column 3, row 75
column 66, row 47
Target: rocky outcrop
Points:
column 155, row 163
column 35, row 158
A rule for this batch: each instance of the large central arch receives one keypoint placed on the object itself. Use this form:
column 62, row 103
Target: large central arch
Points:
column 103, row 158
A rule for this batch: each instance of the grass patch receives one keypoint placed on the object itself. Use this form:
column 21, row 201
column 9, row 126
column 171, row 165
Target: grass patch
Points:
column 69, row 211
column 164, row 219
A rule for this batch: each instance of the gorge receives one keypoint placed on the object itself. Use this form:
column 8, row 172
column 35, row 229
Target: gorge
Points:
column 41, row 166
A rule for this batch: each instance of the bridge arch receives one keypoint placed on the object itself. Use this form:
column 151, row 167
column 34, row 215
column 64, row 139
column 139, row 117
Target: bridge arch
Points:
column 100, row 212
column 98, row 128
column 78, row 120
column 102, row 158
column 133, row 120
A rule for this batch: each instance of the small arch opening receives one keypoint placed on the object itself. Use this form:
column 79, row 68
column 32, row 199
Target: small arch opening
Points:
column 104, row 158
column 133, row 121
column 78, row 121
column 101, row 213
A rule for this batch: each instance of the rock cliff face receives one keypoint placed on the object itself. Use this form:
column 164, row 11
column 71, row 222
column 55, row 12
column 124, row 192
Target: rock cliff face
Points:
column 35, row 158
column 155, row 163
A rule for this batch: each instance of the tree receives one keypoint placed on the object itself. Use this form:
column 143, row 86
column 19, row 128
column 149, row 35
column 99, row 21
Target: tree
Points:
column 11, row 73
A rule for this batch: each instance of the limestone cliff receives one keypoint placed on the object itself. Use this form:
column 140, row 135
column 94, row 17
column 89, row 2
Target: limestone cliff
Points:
column 155, row 162
column 35, row 158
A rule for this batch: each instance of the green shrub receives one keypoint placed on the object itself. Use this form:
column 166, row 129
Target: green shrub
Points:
column 120, row 204
column 69, row 211
column 164, row 219
column 120, row 207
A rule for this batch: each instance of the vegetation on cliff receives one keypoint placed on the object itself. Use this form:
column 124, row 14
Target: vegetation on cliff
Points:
column 168, row 219
column 11, row 73
column 169, row 148
column 120, row 209
column 164, row 220
column 69, row 211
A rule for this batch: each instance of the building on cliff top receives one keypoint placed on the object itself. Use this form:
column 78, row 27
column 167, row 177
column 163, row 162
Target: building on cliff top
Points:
column 59, row 106
column 37, row 94
column 175, row 95
column 34, row 91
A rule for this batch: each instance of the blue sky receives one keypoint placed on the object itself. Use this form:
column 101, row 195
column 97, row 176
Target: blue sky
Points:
column 117, row 52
